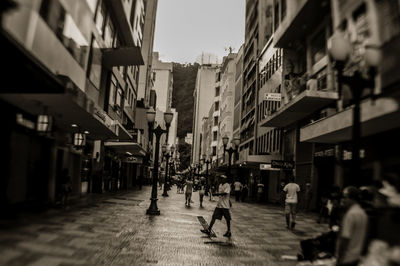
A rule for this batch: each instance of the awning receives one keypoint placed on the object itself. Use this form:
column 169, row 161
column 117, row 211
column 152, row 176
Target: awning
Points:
column 376, row 116
column 126, row 148
column 298, row 25
column 66, row 109
column 300, row 107
column 123, row 56
column 123, row 134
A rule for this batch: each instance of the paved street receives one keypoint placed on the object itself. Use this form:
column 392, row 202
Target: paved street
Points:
column 114, row 230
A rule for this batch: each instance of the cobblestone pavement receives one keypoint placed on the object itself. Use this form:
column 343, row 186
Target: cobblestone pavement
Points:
column 115, row 230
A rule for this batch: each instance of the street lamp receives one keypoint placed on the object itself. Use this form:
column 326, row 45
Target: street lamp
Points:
column 207, row 161
column 231, row 150
column 340, row 49
column 166, row 154
column 158, row 131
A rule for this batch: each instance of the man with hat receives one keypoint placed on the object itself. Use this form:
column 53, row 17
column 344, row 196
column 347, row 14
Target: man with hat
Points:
column 223, row 206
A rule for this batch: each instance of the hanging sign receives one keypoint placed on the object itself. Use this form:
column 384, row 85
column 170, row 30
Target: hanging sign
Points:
column 282, row 164
column 275, row 97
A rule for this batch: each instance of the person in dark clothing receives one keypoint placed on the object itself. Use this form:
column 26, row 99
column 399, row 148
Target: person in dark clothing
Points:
column 245, row 191
column 66, row 187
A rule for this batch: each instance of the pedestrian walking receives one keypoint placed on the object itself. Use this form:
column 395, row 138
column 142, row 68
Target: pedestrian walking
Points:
column 260, row 191
column 282, row 195
column 245, row 191
column 308, row 196
column 188, row 192
column 66, row 187
column 353, row 229
column 291, row 190
column 202, row 190
column 223, row 206
column 238, row 189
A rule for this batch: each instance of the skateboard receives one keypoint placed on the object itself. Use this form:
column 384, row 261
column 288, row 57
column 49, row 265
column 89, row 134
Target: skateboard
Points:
column 205, row 225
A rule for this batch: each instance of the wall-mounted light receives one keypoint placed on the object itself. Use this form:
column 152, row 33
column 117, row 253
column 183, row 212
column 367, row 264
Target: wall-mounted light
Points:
column 79, row 140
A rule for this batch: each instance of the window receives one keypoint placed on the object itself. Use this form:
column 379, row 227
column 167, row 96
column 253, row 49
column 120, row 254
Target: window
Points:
column 215, row 135
column 112, row 90
column 214, row 151
column 283, row 9
column 94, row 64
column 100, row 17
column 276, row 15
column 109, row 32
column 216, row 91
column 215, row 120
column 216, row 106
column 64, row 27
column 318, row 46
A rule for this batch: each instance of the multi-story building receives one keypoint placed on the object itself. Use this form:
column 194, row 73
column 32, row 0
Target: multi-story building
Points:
column 238, row 92
column 370, row 27
column 163, row 82
column 257, row 33
column 80, row 61
column 145, row 71
column 227, row 87
column 203, row 95
column 305, row 83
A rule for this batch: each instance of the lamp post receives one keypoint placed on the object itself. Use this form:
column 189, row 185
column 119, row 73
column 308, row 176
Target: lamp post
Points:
column 168, row 116
column 231, row 150
column 167, row 156
column 340, row 49
column 172, row 149
column 158, row 131
column 207, row 161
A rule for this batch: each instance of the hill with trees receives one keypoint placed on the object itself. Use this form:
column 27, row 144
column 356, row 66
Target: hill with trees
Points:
column 182, row 99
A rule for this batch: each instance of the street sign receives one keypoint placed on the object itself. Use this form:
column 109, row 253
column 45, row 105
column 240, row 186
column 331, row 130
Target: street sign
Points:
column 282, row 164
column 267, row 167
column 275, row 97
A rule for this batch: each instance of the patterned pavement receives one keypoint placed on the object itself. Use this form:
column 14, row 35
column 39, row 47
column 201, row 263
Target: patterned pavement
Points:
column 113, row 229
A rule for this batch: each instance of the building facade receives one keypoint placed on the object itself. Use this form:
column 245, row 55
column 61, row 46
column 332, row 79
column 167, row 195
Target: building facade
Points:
column 203, row 95
column 75, row 107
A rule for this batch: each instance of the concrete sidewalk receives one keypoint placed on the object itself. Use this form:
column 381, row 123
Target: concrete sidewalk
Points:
column 114, row 230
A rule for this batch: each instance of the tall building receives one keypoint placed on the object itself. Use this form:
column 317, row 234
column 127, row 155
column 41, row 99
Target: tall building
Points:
column 80, row 61
column 203, row 95
column 227, row 87
column 163, row 82
column 238, row 92
column 258, row 31
column 145, row 73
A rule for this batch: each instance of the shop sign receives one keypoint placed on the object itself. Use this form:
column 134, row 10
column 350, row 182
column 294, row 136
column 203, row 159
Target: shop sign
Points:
column 267, row 166
column 282, row 164
column 348, row 155
column 21, row 120
column 275, row 97
column 325, row 153
column 133, row 159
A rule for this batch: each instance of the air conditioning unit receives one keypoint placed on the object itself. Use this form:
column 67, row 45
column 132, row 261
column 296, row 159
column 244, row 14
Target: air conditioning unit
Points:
column 312, row 84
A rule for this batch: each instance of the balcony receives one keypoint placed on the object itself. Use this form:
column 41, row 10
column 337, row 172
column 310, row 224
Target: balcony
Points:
column 302, row 17
column 301, row 105
column 376, row 116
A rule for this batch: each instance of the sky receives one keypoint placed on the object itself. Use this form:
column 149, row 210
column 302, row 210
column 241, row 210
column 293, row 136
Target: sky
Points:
column 187, row 28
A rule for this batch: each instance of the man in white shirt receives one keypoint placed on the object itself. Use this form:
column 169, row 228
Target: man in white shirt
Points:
column 291, row 190
column 223, row 206
column 353, row 229
column 238, row 189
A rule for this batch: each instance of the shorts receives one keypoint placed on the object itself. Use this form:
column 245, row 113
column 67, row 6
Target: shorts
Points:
column 290, row 208
column 219, row 212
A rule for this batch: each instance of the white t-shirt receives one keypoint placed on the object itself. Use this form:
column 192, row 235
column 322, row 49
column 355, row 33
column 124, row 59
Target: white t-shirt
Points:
column 237, row 185
column 291, row 190
column 354, row 227
column 223, row 201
